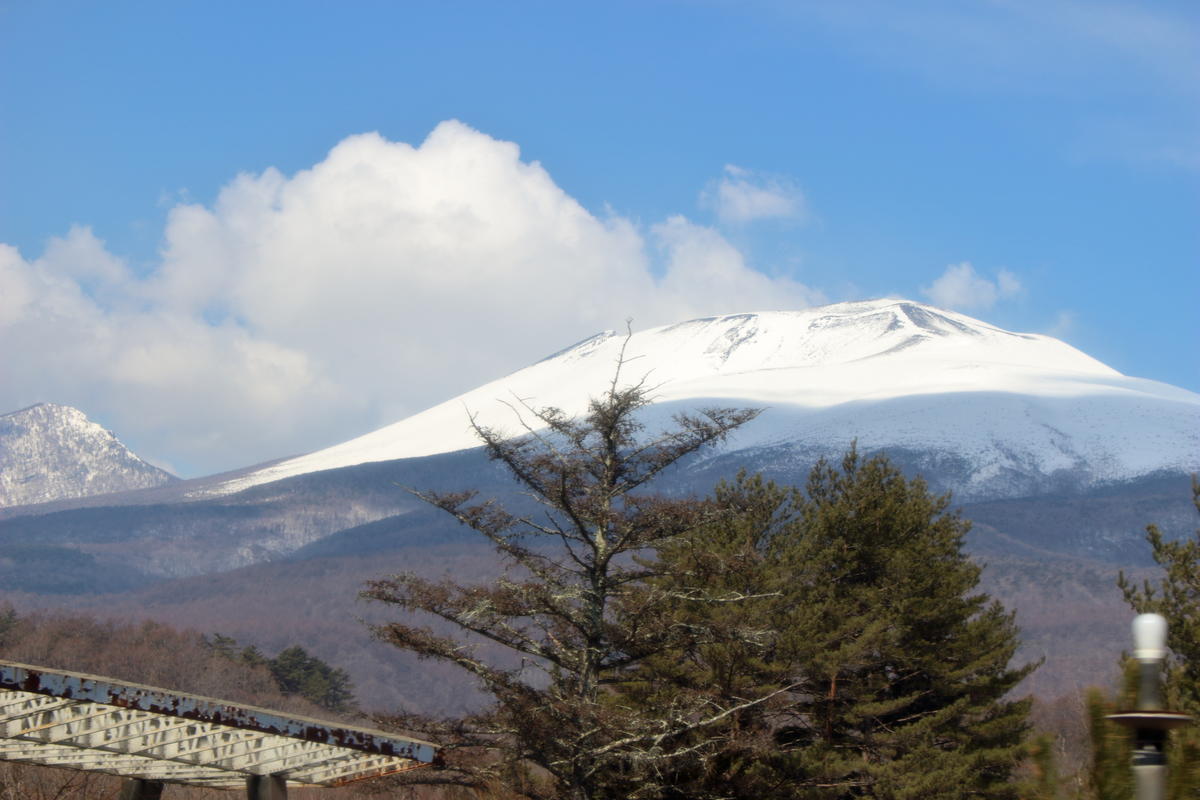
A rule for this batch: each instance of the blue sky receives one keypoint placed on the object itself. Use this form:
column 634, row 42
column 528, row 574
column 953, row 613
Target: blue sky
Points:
column 1033, row 164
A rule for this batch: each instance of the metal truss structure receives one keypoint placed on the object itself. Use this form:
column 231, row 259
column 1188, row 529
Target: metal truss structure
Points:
column 155, row 736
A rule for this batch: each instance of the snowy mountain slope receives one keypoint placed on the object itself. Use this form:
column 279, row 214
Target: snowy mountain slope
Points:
column 891, row 373
column 984, row 445
column 51, row 452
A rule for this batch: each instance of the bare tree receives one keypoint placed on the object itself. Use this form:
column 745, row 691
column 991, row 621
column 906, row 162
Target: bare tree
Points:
column 573, row 613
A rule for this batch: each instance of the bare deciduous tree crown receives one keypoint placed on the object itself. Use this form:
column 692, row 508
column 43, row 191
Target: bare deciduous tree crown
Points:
column 565, row 605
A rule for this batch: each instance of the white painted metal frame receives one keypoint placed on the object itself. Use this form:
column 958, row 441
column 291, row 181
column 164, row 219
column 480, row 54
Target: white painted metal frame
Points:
column 68, row 719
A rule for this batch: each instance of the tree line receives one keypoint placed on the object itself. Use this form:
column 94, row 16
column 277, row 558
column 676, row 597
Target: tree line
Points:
column 827, row 641
column 296, row 673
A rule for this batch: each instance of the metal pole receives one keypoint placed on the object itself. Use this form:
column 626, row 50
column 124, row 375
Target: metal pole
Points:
column 138, row 789
column 1149, row 744
column 266, row 787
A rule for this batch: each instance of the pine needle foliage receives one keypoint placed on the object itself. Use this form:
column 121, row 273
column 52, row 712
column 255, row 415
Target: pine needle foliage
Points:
column 571, row 612
column 879, row 669
column 1043, row 781
column 1109, row 776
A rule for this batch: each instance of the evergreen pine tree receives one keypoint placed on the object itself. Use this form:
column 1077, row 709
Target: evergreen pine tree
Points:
column 225, row 646
column 294, row 671
column 1043, row 781
column 1109, row 777
column 862, row 602
column 297, row 672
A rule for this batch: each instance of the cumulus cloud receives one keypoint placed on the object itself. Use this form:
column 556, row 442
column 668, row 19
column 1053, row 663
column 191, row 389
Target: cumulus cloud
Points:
column 1063, row 325
column 707, row 275
column 295, row 312
column 172, row 383
column 741, row 196
column 960, row 287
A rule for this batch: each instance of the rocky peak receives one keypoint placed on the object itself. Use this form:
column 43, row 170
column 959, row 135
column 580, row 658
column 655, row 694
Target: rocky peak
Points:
column 54, row 452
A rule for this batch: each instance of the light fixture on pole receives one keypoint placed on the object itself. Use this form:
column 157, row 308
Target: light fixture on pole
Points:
column 1149, row 720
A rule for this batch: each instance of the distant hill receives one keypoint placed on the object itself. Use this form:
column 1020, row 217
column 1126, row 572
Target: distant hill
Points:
column 52, row 452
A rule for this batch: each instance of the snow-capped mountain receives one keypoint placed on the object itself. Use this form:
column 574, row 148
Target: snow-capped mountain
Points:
column 1058, row 460
column 1007, row 412
column 53, row 452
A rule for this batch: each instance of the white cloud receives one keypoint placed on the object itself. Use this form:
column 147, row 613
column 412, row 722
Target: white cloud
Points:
column 1063, row 325
column 1131, row 65
column 298, row 311
column 959, row 287
column 707, row 275
column 741, row 196
column 1065, row 47
column 81, row 256
column 168, row 381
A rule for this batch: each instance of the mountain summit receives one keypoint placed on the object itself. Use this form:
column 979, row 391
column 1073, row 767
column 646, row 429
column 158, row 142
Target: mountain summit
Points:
column 1006, row 412
column 53, row 452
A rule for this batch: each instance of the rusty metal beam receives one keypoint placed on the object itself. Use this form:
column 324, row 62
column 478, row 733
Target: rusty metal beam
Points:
column 153, row 735
column 77, row 686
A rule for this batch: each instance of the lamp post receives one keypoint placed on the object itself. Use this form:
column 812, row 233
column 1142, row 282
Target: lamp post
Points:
column 1149, row 720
